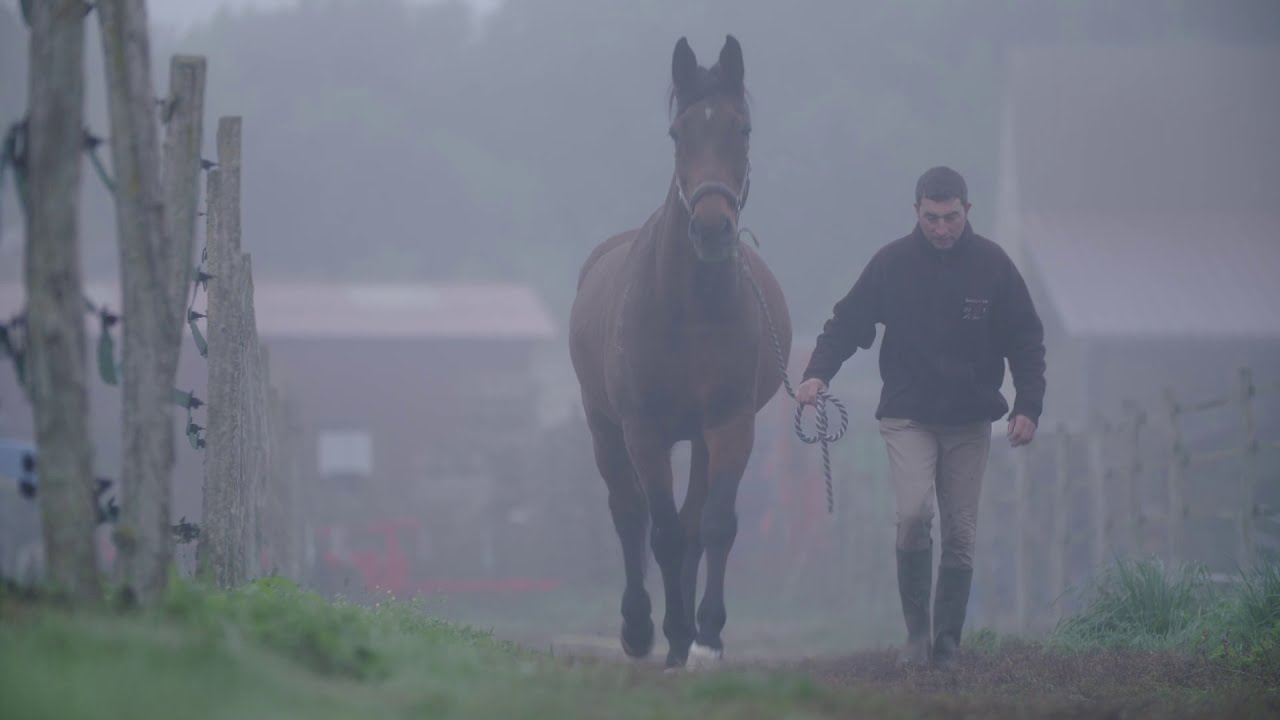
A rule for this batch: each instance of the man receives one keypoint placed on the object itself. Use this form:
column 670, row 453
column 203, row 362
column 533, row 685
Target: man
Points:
column 954, row 308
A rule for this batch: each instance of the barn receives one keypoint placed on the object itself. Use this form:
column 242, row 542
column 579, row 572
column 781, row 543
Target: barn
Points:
column 1137, row 193
column 416, row 402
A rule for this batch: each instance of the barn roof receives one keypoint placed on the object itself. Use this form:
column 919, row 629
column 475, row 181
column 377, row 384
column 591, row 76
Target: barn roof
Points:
column 1146, row 190
column 318, row 310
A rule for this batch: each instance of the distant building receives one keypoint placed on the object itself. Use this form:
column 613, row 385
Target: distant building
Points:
column 1138, row 192
column 415, row 399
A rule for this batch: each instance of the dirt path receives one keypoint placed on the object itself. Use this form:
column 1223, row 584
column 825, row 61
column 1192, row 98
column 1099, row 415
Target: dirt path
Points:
column 1019, row 680
column 1025, row 680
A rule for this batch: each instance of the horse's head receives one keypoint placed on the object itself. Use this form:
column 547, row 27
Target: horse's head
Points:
column 711, row 130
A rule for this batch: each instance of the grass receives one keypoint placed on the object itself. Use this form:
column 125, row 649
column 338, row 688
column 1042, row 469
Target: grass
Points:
column 1139, row 605
column 1248, row 624
column 271, row 649
column 1142, row 605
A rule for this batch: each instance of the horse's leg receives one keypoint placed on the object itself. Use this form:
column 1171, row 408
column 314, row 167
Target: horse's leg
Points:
column 651, row 455
column 728, row 449
column 630, row 519
column 691, row 519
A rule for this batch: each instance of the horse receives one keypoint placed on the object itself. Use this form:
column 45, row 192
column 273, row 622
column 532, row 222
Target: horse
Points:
column 676, row 333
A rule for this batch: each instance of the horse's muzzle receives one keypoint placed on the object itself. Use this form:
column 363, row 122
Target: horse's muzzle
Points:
column 714, row 240
column 716, row 243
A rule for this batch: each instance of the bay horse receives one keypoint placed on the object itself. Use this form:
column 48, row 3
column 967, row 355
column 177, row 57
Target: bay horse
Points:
column 670, row 342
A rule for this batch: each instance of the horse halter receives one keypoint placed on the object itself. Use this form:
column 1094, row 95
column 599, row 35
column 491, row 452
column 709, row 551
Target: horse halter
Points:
column 736, row 199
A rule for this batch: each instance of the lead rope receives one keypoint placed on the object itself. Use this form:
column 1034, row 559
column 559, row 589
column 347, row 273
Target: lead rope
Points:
column 822, row 435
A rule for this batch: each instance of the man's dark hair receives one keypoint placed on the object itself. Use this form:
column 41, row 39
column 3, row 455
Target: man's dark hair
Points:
column 941, row 183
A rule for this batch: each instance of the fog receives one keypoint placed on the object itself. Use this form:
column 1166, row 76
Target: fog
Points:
column 1123, row 154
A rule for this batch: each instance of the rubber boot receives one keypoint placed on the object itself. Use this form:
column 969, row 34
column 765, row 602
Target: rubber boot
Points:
column 950, row 604
column 915, row 579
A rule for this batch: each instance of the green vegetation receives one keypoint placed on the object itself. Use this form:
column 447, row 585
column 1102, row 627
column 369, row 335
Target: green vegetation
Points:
column 1138, row 604
column 1142, row 605
column 271, row 649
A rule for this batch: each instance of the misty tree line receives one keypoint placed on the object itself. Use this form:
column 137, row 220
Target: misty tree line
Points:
column 406, row 143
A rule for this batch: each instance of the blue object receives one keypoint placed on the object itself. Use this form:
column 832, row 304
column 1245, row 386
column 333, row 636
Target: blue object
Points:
column 18, row 461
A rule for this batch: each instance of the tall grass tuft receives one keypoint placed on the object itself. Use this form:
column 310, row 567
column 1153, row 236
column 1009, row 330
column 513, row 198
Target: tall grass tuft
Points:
column 1144, row 605
column 1247, row 631
column 1257, row 606
column 1139, row 604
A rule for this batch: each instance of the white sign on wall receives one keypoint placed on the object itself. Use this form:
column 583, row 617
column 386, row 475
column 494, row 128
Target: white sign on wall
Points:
column 345, row 452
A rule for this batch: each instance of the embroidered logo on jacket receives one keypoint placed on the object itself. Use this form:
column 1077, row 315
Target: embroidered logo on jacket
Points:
column 976, row 308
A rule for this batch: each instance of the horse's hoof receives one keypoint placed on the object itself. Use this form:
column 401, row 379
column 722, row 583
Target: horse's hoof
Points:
column 637, row 642
column 676, row 661
column 703, row 656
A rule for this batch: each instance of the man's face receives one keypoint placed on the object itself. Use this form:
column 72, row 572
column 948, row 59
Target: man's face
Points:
column 942, row 220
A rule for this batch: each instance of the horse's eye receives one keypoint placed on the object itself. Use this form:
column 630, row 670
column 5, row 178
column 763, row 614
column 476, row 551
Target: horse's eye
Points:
column 672, row 133
column 746, row 130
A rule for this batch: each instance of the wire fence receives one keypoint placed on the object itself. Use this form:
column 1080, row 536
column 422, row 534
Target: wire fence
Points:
column 249, row 522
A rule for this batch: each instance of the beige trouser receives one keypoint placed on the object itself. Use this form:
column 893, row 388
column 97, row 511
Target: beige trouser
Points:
column 949, row 460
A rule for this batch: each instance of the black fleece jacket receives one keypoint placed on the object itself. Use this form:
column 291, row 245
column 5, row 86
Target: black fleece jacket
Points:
column 951, row 318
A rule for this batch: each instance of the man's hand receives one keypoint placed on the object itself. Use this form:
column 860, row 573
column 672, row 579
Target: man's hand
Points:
column 1022, row 430
column 807, row 393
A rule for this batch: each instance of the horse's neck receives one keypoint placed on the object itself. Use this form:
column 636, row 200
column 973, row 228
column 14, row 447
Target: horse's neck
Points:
column 673, row 255
column 683, row 287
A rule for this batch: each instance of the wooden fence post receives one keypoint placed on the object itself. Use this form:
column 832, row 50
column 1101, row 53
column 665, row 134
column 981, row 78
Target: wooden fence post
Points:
column 239, row 449
column 56, row 370
column 180, row 173
column 1021, row 512
column 1099, row 481
column 150, row 266
column 1176, row 479
column 250, row 478
column 252, row 408
column 220, row 552
column 1059, row 577
column 986, row 559
column 250, row 433
column 1137, row 515
column 266, row 446
column 284, row 496
column 280, row 507
column 1248, row 474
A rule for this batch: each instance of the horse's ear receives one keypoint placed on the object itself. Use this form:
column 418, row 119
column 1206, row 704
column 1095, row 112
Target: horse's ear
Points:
column 731, row 68
column 684, row 67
